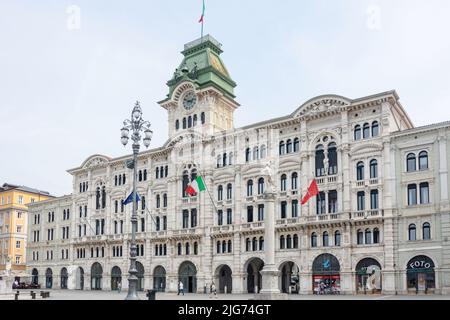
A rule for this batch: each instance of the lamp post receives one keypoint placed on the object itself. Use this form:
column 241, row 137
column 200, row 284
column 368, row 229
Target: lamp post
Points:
column 136, row 124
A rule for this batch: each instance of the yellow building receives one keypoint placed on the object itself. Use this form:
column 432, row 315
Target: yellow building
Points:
column 13, row 225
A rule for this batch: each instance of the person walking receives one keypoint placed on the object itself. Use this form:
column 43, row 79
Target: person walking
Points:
column 180, row 288
column 119, row 286
column 214, row 290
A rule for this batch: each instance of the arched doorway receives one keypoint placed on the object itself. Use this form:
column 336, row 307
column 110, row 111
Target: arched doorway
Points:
column 187, row 274
column 368, row 276
column 254, row 278
column 48, row 278
column 140, row 276
column 64, row 277
column 224, row 279
column 34, row 276
column 159, row 279
column 326, row 275
column 420, row 274
column 116, row 278
column 96, row 276
column 290, row 279
column 80, row 278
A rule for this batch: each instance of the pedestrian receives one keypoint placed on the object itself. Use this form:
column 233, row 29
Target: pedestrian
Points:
column 180, row 288
column 214, row 290
column 119, row 286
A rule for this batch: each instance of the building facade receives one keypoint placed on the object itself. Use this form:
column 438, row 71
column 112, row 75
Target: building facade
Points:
column 14, row 201
column 380, row 222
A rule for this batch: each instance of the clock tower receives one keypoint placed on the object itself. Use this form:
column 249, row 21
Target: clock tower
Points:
column 201, row 92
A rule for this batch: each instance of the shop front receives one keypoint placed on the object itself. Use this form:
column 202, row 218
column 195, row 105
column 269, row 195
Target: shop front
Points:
column 420, row 275
column 326, row 275
column 368, row 276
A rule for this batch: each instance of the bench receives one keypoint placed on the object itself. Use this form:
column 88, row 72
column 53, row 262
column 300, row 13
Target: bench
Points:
column 45, row 294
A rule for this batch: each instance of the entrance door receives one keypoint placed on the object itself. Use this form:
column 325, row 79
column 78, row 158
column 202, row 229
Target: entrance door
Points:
column 187, row 274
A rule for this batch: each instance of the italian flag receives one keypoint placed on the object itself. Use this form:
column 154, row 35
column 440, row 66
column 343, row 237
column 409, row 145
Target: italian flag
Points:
column 196, row 186
column 203, row 13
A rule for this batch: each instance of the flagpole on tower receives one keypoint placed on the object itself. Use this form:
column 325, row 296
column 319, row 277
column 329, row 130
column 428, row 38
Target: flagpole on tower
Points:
column 202, row 18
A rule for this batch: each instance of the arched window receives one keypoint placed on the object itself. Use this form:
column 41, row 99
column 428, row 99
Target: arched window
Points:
column 320, row 156
column 255, row 153
column 185, row 183
column 218, row 247
column 282, row 242
column 224, row 246
column 325, row 239
column 375, row 129
column 294, row 181
column 166, row 172
column 412, row 232
column 188, row 248
column 261, row 243
column 229, row 246
column 411, row 162
column 254, row 244
column 224, row 160
column 229, row 191
column 184, row 123
column 412, row 195
column 360, row 171
column 247, row 244
column 143, row 203
column 195, row 248
column 423, row 160
column 376, row 235
column 220, row 193
column 145, row 175
column 288, row 242
column 426, row 231
column 177, row 124
column 194, row 121
column 219, row 161
column 282, row 149
column 332, row 157
column 337, row 238
column 116, row 206
column 189, row 121
column 424, row 193
column 230, row 159
column 249, row 188
column 283, row 182
column 140, row 175
column 289, row 146
column 357, row 132
column 202, row 117
column 261, row 186
column 247, row 155
column 120, row 180
column 157, row 173
column 368, row 236
column 366, row 131
column 158, row 201
column 296, row 145
column 161, row 171
column 295, row 241
column 373, row 169
column 313, row 240
column 360, row 237
column 263, row 152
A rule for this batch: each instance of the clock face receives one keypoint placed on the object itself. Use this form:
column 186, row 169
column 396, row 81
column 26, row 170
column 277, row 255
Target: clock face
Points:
column 189, row 100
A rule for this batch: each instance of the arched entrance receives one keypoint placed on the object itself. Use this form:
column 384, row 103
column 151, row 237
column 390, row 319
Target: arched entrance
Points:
column 116, row 278
column 34, row 276
column 223, row 279
column 368, row 276
column 159, row 279
column 48, row 278
column 64, row 277
column 420, row 274
column 140, row 276
column 326, row 275
column 290, row 279
column 96, row 276
column 254, row 278
column 187, row 274
column 80, row 278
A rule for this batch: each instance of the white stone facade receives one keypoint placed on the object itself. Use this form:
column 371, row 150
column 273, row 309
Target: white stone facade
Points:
column 294, row 144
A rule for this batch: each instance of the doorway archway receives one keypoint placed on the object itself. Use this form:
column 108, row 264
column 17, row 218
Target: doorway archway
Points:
column 368, row 276
column 34, row 276
column 48, row 278
column 290, row 280
column 420, row 275
column 80, row 278
column 64, row 278
column 223, row 279
column 326, row 275
column 96, row 276
column 140, row 276
column 116, row 277
column 187, row 274
column 254, row 278
column 159, row 279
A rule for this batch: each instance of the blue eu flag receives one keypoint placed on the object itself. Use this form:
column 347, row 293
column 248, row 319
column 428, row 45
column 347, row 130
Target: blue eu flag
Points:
column 130, row 199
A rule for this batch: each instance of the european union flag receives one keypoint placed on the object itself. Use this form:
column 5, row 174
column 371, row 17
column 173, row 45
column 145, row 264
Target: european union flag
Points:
column 130, row 199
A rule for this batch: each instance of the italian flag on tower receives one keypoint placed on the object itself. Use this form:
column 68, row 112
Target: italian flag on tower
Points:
column 196, row 186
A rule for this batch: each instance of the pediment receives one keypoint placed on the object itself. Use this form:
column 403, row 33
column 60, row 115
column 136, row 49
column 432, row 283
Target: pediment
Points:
column 95, row 161
column 322, row 104
column 366, row 148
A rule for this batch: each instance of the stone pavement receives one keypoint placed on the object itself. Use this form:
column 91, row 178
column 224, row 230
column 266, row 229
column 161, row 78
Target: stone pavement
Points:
column 114, row 295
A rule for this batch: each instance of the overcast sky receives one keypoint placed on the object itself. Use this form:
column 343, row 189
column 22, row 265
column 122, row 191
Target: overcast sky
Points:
column 67, row 82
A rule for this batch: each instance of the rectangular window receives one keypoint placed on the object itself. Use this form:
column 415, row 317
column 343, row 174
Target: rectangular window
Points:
column 20, row 199
column 17, row 259
column 193, row 218
column 294, row 208
column 361, row 198
column 283, row 209
column 412, row 195
column 332, row 201
column 164, row 222
column 185, row 219
column 220, row 217
column 18, row 244
column 19, row 229
column 19, row 215
column 142, row 224
column 229, row 216
column 374, row 199
column 321, row 205
column 261, row 212
column 424, row 193
column 250, row 214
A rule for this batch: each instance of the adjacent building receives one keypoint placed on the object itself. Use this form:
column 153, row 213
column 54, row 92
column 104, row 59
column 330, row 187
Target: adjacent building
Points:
column 380, row 223
column 14, row 201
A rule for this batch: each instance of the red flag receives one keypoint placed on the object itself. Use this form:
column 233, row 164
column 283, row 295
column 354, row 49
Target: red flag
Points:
column 313, row 191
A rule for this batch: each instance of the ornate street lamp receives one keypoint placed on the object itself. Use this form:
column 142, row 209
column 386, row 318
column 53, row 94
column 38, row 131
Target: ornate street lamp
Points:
column 136, row 124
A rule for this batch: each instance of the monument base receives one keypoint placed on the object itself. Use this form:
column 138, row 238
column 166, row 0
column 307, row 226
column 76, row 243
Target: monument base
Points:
column 6, row 283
